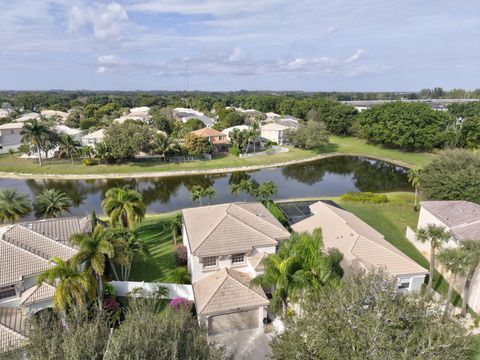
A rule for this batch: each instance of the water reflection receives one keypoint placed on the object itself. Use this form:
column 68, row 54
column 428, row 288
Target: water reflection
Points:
column 327, row 177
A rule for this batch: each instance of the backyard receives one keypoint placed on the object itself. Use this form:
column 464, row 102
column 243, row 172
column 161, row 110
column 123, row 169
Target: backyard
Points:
column 338, row 145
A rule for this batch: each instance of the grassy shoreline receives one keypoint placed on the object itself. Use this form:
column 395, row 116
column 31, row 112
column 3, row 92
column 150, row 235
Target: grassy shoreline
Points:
column 23, row 168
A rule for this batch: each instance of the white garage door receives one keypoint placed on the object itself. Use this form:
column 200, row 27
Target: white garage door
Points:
column 242, row 320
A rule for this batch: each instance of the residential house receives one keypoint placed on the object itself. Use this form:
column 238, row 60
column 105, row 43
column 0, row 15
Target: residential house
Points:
column 76, row 134
column 141, row 109
column 4, row 113
column 27, row 117
column 226, row 244
column 216, row 138
column 271, row 116
column 93, row 138
column 25, row 252
column 289, row 121
column 274, row 132
column 462, row 220
column 10, row 136
column 61, row 116
column 185, row 114
column 227, row 131
column 363, row 247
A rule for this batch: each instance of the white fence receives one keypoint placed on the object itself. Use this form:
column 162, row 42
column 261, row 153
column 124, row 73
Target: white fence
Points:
column 174, row 290
column 273, row 150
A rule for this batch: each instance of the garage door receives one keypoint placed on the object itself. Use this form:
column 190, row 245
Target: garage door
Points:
column 242, row 320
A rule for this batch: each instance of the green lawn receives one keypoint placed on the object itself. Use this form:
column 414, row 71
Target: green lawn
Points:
column 158, row 267
column 339, row 145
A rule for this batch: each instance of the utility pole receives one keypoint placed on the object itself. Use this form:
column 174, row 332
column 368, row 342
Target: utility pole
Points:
column 186, row 75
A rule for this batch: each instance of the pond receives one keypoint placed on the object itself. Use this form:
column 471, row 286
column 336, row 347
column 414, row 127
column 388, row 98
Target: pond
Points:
column 326, row 177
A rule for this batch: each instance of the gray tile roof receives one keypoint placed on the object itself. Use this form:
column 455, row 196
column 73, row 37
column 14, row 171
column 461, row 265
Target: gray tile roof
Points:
column 61, row 229
column 462, row 217
column 36, row 294
column 12, row 329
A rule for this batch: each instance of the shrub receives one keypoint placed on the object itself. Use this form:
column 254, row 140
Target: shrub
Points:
column 180, row 302
column 181, row 276
column 234, row 150
column 364, row 197
column 87, row 162
column 180, row 254
column 110, row 304
column 109, row 290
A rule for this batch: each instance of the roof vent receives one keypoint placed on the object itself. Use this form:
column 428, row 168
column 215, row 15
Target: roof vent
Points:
column 261, row 215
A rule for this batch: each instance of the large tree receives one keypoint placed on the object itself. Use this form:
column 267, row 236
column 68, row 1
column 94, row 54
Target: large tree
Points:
column 125, row 206
column 127, row 139
column 51, row 203
column 452, row 175
column 163, row 144
column 366, row 318
column 13, row 205
column 34, row 133
column 196, row 145
column 309, row 135
column 409, row 126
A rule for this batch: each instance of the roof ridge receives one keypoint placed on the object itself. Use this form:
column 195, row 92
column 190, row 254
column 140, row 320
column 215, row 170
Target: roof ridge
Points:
column 216, row 291
column 250, row 214
column 459, row 226
column 24, row 250
column 210, row 233
column 37, row 289
column 248, row 287
column 46, row 237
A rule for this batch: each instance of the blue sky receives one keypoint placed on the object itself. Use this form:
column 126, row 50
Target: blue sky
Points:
column 311, row 45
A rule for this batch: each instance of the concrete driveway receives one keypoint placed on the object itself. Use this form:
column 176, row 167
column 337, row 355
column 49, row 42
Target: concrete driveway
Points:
column 248, row 344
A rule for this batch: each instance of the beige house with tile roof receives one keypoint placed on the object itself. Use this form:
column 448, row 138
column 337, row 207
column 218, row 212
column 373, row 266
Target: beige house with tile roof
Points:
column 25, row 252
column 226, row 244
column 363, row 247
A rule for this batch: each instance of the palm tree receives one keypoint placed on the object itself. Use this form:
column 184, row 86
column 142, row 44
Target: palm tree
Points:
column 436, row 235
column 34, row 132
column 13, row 205
column 414, row 179
column 73, row 287
column 454, row 262
column 124, row 205
column 93, row 251
column 235, row 190
column 249, row 187
column 471, row 252
column 102, row 152
column 176, row 225
column 68, row 147
column 51, row 203
column 197, row 193
column 162, row 144
column 133, row 247
column 266, row 191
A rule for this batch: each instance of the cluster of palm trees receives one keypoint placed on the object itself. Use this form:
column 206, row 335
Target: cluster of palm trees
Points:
column 112, row 248
column 242, row 138
column 461, row 260
column 49, row 203
column 299, row 266
column 250, row 187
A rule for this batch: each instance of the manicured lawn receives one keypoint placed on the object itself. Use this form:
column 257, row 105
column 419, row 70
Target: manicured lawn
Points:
column 340, row 145
column 158, row 267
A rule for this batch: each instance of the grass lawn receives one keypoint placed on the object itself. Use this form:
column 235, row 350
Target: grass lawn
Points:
column 158, row 267
column 340, row 145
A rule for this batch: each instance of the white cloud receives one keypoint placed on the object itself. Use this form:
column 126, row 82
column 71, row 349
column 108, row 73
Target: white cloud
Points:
column 358, row 54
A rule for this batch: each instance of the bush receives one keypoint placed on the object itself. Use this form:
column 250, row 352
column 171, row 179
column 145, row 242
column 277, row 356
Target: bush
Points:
column 180, row 254
column 365, row 197
column 109, row 290
column 180, row 302
column 87, row 162
column 234, row 150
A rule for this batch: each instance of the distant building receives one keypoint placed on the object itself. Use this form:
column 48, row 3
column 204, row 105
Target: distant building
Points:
column 10, row 137
column 94, row 138
column 137, row 116
column 27, row 117
column 141, row 109
column 227, row 131
column 61, row 115
column 271, row 116
column 274, row 132
column 76, row 134
column 217, row 139
column 185, row 114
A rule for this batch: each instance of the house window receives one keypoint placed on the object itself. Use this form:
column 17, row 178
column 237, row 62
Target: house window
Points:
column 210, row 261
column 238, row 258
column 404, row 284
column 7, row 291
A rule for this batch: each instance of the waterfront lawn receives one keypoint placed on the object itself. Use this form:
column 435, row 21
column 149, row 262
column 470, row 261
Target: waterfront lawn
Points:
column 157, row 234
column 339, row 145
column 391, row 219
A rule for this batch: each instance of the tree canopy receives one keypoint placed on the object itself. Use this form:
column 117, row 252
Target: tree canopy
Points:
column 127, row 139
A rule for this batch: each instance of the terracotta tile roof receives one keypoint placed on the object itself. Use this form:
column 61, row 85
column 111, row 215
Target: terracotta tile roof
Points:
column 36, row 294
column 231, row 228
column 462, row 217
column 225, row 291
column 16, row 263
column 207, row 132
column 362, row 246
column 256, row 261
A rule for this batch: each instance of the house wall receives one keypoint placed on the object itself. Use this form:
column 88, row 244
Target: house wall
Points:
column 272, row 135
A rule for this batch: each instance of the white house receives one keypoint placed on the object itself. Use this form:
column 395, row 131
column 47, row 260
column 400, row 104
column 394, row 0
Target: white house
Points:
column 226, row 244
column 135, row 116
column 93, row 138
column 76, row 134
column 25, row 252
column 141, row 109
column 227, row 131
column 10, row 136
column 462, row 220
column 274, row 132
column 271, row 116
column 61, row 115
column 363, row 247
column 28, row 116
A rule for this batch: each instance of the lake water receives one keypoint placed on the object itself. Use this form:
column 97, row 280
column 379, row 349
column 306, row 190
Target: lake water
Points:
column 326, row 177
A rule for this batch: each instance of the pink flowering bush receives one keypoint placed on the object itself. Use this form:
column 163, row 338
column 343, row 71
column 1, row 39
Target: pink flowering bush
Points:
column 180, row 254
column 180, row 302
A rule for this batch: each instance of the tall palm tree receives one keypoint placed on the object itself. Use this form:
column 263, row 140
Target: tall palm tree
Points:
column 454, row 262
column 235, row 190
column 124, row 205
column 471, row 252
column 176, row 225
column 436, row 235
column 266, row 191
column 34, row 132
column 73, row 287
column 414, row 179
column 162, row 144
column 68, row 147
column 51, row 203
column 13, row 205
column 132, row 247
column 197, row 193
column 249, row 187
column 93, row 251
